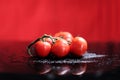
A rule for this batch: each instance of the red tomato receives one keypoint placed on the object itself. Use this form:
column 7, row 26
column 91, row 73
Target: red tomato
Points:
column 78, row 46
column 49, row 40
column 42, row 48
column 65, row 35
column 60, row 48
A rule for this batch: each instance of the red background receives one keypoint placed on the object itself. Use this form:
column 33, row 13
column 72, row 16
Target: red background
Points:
column 95, row 20
column 22, row 21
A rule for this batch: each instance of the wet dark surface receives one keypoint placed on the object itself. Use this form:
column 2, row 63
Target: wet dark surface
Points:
column 100, row 62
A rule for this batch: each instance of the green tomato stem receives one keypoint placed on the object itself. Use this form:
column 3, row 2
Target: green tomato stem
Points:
column 47, row 36
column 30, row 45
column 38, row 39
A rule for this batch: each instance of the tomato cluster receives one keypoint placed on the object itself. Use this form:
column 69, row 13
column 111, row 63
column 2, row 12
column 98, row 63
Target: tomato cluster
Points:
column 60, row 45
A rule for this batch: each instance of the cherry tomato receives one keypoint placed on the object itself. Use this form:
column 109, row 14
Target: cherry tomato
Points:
column 42, row 48
column 49, row 40
column 78, row 46
column 60, row 48
column 65, row 35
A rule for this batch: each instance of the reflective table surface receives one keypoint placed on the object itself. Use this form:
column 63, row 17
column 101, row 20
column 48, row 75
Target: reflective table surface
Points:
column 100, row 62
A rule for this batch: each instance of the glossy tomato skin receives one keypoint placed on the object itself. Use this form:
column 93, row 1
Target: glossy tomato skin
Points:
column 42, row 48
column 49, row 40
column 78, row 46
column 60, row 48
column 65, row 35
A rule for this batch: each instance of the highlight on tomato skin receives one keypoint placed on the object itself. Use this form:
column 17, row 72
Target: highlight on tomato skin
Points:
column 60, row 48
column 42, row 48
column 78, row 46
column 49, row 40
column 65, row 35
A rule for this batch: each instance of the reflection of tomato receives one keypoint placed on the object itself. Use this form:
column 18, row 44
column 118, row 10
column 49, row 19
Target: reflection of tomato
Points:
column 78, row 46
column 42, row 68
column 65, row 35
column 62, row 69
column 42, row 48
column 60, row 48
column 78, row 69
